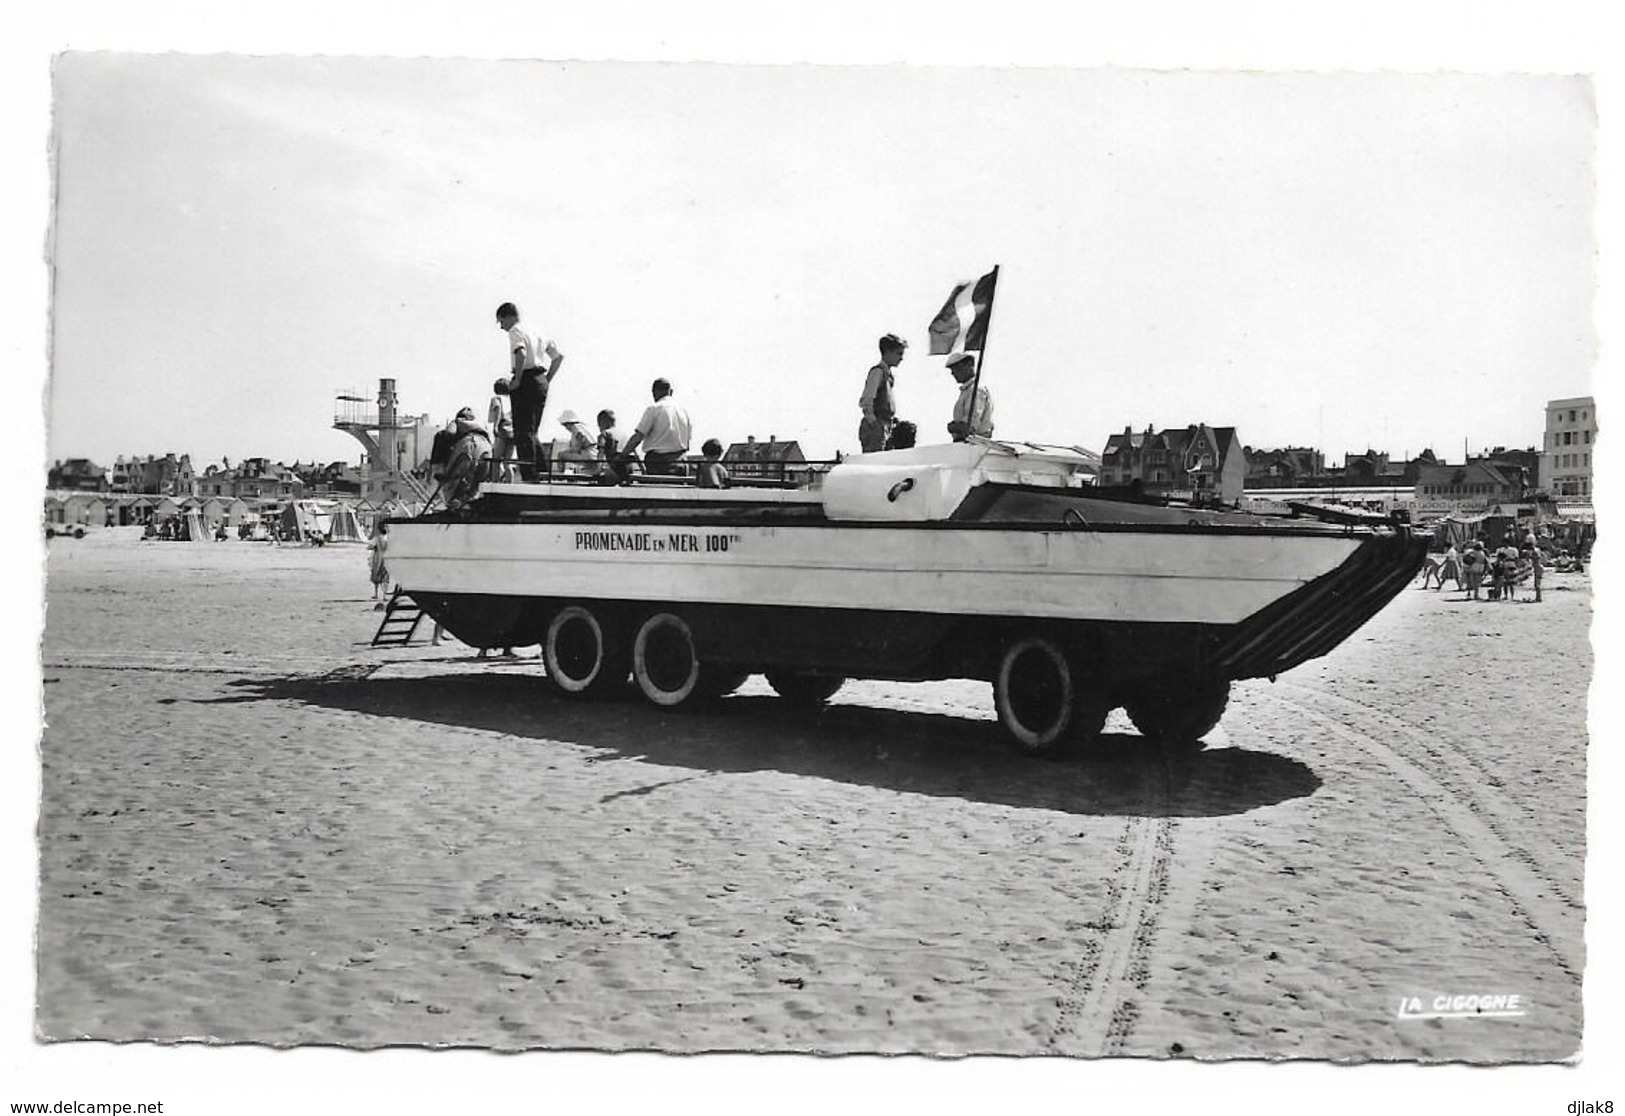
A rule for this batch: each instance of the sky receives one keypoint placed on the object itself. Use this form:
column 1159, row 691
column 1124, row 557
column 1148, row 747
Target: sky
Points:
column 1343, row 260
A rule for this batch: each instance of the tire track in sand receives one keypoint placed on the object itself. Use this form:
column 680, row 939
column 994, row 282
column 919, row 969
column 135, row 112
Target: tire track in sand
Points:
column 1459, row 804
column 1467, row 777
column 1102, row 1002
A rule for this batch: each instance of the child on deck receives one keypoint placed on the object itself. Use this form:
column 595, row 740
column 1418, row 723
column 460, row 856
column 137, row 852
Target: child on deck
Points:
column 713, row 473
column 501, row 427
column 609, row 449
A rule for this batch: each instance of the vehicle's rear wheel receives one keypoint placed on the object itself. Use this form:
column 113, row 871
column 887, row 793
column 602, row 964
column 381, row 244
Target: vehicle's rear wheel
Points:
column 1176, row 717
column 584, row 652
column 666, row 664
column 803, row 688
column 1043, row 702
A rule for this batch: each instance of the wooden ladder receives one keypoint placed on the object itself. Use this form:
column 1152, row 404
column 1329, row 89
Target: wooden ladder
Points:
column 400, row 621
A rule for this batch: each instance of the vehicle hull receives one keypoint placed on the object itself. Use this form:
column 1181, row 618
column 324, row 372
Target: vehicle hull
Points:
column 1133, row 594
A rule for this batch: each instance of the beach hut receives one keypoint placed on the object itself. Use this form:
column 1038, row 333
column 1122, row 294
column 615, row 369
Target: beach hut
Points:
column 86, row 509
column 238, row 512
column 214, row 512
column 166, row 508
column 138, row 510
column 55, row 510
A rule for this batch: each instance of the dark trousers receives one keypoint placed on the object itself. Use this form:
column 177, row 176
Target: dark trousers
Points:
column 527, row 422
column 662, row 464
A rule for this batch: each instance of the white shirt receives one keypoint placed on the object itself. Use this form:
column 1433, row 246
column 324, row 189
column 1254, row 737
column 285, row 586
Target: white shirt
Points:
column 982, row 422
column 664, row 427
column 521, row 342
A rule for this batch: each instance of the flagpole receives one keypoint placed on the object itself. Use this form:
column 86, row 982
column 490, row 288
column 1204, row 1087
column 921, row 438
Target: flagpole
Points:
column 976, row 380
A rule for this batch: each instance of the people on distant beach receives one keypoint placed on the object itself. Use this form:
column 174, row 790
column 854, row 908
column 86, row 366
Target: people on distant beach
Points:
column 527, row 386
column 379, row 564
column 583, row 446
column 1537, row 569
column 1473, row 567
column 1450, row 567
column 1506, row 568
column 713, row 473
column 662, row 433
column 971, row 416
column 879, row 400
column 1430, row 570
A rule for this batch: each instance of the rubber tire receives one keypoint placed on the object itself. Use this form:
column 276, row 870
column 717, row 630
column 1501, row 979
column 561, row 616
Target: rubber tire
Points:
column 666, row 664
column 1041, row 701
column 584, row 653
column 1177, row 717
column 801, row 688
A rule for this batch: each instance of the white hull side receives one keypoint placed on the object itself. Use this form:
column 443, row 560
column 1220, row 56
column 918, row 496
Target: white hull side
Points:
column 1114, row 576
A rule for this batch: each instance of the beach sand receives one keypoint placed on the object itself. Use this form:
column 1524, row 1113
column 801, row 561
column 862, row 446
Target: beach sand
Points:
column 256, row 828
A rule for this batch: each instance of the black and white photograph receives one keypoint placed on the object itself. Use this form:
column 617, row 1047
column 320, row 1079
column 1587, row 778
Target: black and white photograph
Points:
column 1077, row 565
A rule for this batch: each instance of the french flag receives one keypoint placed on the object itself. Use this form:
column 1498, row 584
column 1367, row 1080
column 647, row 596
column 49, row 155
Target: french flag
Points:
column 962, row 325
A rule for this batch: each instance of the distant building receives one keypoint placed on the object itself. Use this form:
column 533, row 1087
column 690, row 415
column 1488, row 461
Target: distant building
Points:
column 1372, row 468
column 78, row 474
column 1571, row 428
column 1283, row 468
column 258, row 478
column 1477, row 483
column 337, row 478
column 1202, row 462
column 768, row 460
column 169, row 475
column 1526, row 460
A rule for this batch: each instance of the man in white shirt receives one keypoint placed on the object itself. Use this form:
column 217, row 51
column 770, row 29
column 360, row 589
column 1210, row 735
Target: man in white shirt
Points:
column 969, row 418
column 662, row 432
column 527, row 386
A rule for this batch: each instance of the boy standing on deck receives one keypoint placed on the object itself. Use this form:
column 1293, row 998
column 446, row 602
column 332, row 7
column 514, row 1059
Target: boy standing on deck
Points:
column 527, row 386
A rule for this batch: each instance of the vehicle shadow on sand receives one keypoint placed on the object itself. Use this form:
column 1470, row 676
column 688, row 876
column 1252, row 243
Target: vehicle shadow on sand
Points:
column 911, row 752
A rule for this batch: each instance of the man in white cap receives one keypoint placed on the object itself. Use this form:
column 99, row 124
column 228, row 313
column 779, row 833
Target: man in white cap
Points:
column 582, row 445
column 970, row 417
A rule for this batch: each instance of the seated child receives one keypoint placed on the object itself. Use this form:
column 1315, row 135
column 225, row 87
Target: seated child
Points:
column 713, row 473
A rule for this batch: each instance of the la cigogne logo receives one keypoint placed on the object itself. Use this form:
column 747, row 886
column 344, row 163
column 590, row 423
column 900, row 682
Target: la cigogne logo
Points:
column 1472, row 1005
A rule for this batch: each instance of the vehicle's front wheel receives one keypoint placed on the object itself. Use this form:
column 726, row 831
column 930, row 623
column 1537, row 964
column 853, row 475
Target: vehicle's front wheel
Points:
column 584, row 652
column 1042, row 700
column 1176, row 717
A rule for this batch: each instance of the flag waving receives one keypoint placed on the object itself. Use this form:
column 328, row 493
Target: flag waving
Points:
column 962, row 324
